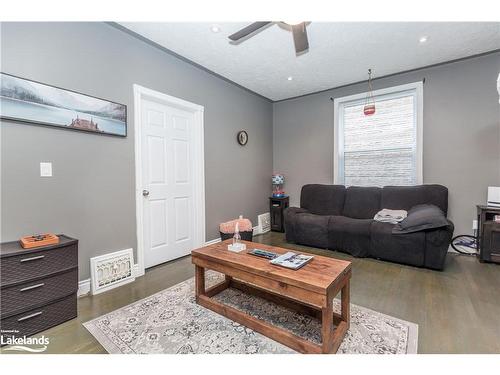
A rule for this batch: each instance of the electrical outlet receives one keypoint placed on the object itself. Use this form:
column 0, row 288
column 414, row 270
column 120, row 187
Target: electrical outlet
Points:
column 46, row 169
column 474, row 224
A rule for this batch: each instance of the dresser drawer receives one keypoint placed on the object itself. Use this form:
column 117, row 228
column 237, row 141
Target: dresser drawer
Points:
column 40, row 319
column 22, row 297
column 25, row 267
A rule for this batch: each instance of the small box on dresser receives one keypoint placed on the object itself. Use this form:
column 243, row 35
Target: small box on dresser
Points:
column 38, row 286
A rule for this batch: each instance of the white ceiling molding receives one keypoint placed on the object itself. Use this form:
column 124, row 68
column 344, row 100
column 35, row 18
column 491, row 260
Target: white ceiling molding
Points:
column 339, row 52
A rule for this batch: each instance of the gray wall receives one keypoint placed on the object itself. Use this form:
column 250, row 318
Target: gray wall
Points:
column 461, row 133
column 91, row 195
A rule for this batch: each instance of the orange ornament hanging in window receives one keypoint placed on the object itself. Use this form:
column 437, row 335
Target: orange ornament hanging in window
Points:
column 369, row 108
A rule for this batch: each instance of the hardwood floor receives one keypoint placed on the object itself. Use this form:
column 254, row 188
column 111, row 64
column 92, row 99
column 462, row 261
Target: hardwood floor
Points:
column 457, row 310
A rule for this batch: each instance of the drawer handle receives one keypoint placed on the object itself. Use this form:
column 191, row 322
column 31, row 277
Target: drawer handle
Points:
column 31, row 287
column 34, row 258
column 29, row 316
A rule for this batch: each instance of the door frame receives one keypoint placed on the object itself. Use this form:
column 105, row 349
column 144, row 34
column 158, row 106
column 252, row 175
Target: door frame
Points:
column 140, row 93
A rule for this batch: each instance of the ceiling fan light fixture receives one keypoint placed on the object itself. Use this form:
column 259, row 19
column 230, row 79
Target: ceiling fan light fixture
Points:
column 214, row 28
column 298, row 30
column 292, row 23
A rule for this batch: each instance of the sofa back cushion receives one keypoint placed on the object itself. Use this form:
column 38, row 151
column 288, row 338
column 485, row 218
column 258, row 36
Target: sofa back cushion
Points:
column 323, row 199
column 406, row 197
column 362, row 202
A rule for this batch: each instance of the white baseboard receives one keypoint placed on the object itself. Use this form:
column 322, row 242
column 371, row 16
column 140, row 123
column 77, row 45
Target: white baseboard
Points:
column 83, row 288
column 137, row 271
column 214, row 241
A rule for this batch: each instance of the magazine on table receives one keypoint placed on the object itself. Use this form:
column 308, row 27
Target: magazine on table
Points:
column 292, row 260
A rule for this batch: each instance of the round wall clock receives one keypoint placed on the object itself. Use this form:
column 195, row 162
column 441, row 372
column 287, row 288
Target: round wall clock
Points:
column 242, row 137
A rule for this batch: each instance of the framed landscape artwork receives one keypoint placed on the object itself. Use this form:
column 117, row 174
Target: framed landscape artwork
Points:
column 40, row 104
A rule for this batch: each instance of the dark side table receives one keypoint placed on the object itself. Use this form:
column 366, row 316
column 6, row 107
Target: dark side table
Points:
column 489, row 234
column 276, row 208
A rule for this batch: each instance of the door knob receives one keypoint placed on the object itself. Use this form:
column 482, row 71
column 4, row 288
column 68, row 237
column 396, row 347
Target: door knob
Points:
column 145, row 193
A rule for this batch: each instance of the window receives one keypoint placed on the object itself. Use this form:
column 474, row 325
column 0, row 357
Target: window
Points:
column 382, row 149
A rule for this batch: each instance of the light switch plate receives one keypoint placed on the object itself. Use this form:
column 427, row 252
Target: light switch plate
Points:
column 45, row 169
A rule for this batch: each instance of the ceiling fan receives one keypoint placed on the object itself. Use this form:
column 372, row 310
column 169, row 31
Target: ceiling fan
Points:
column 298, row 30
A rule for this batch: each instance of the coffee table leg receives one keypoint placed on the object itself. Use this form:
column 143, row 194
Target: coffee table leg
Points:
column 327, row 327
column 345, row 312
column 332, row 338
column 199, row 281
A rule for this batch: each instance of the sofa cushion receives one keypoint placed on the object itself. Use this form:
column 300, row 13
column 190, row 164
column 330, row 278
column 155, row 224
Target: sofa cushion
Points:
column 408, row 248
column 406, row 197
column 362, row 202
column 350, row 235
column 421, row 217
column 323, row 199
column 311, row 230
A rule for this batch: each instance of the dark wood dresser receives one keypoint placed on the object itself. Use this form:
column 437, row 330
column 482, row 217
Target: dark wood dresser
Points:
column 489, row 234
column 38, row 286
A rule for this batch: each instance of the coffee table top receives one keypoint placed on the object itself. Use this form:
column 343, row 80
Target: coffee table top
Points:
column 317, row 275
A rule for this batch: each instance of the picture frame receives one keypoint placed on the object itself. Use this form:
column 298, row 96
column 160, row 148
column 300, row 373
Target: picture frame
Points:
column 31, row 102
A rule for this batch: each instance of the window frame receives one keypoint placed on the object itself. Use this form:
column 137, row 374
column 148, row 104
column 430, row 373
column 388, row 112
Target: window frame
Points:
column 414, row 88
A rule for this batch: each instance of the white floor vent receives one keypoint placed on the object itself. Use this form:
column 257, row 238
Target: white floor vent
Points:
column 264, row 222
column 109, row 271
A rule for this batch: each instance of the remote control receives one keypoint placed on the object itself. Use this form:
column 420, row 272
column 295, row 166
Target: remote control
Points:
column 263, row 253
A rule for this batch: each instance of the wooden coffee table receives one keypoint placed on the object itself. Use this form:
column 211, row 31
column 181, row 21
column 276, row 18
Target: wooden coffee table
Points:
column 309, row 290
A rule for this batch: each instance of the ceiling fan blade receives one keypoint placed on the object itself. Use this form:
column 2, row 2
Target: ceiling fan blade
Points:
column 300, row 37
column 248, row 30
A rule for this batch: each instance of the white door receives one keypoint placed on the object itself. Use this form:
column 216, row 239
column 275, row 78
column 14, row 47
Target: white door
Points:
column 167, row 181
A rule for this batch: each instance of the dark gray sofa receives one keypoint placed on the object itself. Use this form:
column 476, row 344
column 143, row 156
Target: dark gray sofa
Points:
column 339, row 218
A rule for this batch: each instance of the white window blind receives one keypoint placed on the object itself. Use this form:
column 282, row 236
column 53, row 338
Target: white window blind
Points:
column 382, row 149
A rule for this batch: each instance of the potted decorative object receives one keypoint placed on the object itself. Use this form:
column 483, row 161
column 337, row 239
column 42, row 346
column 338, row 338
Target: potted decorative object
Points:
column 278, row 180
column 237, row 245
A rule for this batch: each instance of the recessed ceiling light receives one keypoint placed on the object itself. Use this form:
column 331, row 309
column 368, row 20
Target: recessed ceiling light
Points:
column 423, row 39
column 215, row 28
column 290, row 78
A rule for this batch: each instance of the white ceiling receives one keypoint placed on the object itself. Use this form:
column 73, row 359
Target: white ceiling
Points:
column 339, row 53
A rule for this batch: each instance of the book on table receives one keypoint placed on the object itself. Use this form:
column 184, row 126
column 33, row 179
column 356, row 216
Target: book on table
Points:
column 292, row 260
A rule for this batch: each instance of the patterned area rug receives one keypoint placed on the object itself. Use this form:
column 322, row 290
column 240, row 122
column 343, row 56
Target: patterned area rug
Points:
column 171, row 322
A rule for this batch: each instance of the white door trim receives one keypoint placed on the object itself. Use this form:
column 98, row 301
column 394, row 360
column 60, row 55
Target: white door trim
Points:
column 198, row 170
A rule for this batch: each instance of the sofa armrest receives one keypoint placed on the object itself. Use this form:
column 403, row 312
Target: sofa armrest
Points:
column 296, row 210
column 437, row 242
column 290, row 215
